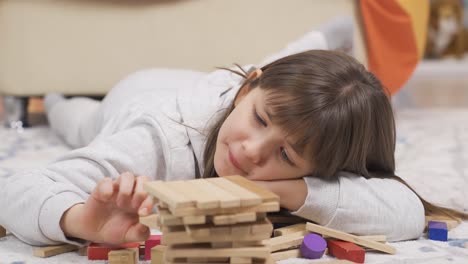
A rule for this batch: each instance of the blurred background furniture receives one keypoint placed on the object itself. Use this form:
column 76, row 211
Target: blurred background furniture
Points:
column 83, row 47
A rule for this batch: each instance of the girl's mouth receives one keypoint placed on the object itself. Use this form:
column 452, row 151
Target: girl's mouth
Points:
column 235, row 162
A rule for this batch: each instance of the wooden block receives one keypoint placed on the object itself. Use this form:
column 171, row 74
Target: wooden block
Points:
column 262, row 229
column 166, row 218
column 101, row 251
column 190, row 211
column 225, row 219
column 198, row 231
column 247, row 198
column 123, row 256
column 194, row 220
column 153, row 240
column 225, row 198
column 246, row 217
column 221, row 231
column 292, row 253
column 346, row 250
column 181, row 237
column 2, row 231
column 289, row 229
column 350, row 238
column 252, row 252
column 266, row 195
column 286, row 241
column 234, row 218
column 437, row 231
column 163, row 192
column 377, row 238
column 202, row 199
column 157, row 254
column 45, row 252
column 241, row 260
column 241, row 230
column 150, row 221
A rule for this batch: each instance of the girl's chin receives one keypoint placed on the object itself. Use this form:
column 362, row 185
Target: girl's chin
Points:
column 223, row 172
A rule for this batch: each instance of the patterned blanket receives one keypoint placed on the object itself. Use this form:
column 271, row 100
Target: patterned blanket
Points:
column 432, row 156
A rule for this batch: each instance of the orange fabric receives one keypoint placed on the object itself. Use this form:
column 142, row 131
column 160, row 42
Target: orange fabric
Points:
column 391, row 44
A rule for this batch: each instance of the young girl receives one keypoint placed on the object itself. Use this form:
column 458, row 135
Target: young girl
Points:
column 315, row 127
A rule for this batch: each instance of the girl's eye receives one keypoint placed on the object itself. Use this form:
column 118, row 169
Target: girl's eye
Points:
column 284, row 156
column 259, row 119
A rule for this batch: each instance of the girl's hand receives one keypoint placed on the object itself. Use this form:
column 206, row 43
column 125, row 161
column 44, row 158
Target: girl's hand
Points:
column 292, row 193
column 110, row 215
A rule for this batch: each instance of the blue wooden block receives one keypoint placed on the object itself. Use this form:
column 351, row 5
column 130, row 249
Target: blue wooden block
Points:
column 437, row 231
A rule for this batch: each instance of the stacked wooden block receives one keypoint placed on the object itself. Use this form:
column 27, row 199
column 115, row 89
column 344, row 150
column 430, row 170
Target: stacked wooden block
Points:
column 220, row 220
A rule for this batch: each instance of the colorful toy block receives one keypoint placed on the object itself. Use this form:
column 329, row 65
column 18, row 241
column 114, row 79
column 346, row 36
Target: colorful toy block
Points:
column 437, row 231
column 346, row 250
column 313, row 246
column 153, row 241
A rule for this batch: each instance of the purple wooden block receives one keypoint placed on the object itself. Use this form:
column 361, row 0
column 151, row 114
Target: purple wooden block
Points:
column 313, row 246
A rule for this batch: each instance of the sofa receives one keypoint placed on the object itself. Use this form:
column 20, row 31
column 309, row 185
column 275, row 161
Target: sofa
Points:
column 83, row 47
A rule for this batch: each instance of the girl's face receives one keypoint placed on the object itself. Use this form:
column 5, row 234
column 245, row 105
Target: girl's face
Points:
column 250, row 145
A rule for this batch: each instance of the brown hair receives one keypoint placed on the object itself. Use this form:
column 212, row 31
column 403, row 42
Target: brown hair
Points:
column 338, row 112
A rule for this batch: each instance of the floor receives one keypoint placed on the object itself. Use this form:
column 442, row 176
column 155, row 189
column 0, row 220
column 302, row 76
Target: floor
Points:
column 436, row 84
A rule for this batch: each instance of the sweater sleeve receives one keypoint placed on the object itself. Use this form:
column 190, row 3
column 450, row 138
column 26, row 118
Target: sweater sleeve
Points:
column 33, row 202
column 363, row 206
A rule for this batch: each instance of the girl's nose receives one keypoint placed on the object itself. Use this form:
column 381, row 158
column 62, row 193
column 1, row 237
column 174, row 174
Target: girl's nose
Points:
column 255, row 149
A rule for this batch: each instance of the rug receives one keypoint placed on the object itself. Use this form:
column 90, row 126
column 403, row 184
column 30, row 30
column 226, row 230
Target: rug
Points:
column 431, row 155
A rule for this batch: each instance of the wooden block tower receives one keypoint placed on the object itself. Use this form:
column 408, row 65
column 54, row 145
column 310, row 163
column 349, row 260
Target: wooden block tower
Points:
column 217, row 219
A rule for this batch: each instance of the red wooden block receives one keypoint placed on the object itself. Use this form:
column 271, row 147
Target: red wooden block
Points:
column 152, row 241
column 100, row 251
column 346, row 250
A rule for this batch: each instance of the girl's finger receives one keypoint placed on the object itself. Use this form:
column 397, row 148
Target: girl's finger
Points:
column 147, row 206
column 139, row 193
column 104, row 190
column 126, row 185
column 137, row 232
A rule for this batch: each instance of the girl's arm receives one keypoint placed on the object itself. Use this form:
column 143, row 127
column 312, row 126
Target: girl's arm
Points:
column 33, row 202
column 355, row 205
